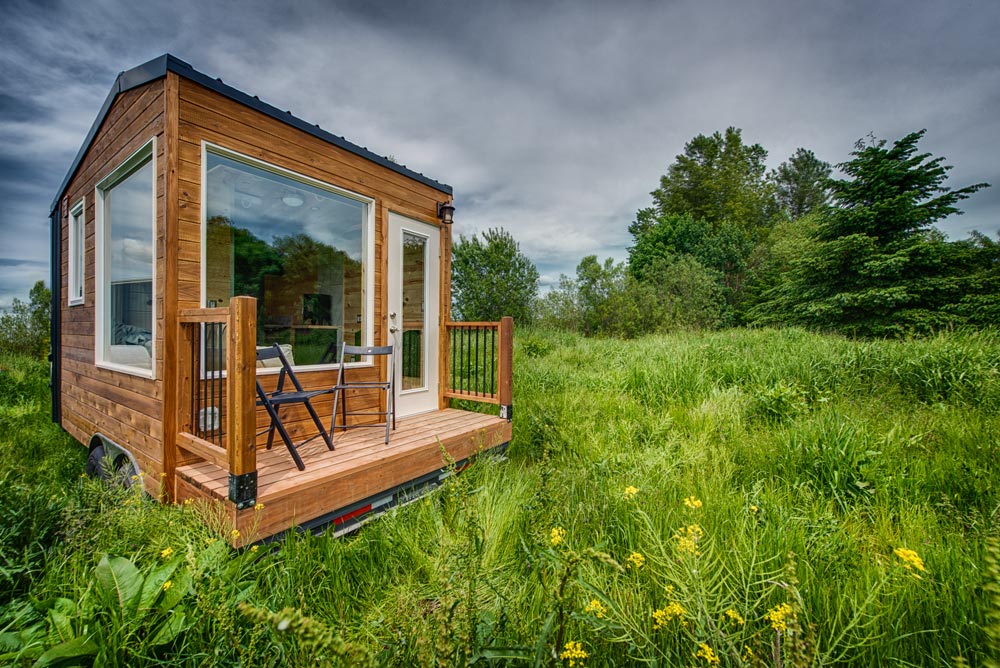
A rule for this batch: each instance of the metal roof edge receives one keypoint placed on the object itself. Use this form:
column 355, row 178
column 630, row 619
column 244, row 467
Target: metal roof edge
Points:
column 159, row 66
column 137, row 76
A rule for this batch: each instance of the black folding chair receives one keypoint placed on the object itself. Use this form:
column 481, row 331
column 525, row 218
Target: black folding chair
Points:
column 272, row 403
column 342, row 386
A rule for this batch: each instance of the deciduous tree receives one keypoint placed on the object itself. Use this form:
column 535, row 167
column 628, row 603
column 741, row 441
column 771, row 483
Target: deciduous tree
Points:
column 491, row 278
column 801, row 183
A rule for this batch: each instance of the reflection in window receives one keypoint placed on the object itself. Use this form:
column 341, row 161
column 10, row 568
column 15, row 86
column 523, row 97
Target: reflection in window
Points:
column 128, row 266
column 414, row 294
column 296, row 247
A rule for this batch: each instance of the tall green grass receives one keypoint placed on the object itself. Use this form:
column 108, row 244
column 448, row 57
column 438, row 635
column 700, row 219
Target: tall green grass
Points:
column 769, row 469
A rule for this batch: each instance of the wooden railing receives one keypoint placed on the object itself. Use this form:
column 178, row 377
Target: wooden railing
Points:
column 216, row 367
column 480, row 363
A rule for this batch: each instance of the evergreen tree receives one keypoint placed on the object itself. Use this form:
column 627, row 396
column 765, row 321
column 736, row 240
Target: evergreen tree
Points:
column 879, row 267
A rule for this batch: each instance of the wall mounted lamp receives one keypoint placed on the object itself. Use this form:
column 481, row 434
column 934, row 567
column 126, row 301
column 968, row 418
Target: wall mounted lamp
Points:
column 446, row 212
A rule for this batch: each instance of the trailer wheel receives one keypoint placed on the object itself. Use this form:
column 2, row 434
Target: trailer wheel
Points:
column 95, row 463
column 125, row 473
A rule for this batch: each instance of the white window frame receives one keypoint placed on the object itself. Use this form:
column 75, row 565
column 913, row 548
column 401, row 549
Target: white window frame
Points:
column 102, row 288
column 77, row 280
column 367, row 241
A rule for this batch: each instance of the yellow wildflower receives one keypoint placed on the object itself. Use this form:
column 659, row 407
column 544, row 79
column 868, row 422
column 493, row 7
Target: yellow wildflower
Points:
column 135, row 477
column 167, row 585
column 258, row 506
column 687, row 539
column 557, row 535
column 911, row 560
column 664, row 616
column 747, row 653
column 188, row 502
column 209, row 541
column 631, row 491
column 596, row 608
column 707, row 653
column 253, row 548
column 735, row 616
column 235, row 533
column 779, row 616
column 574, row 653
column 165, row 553
column 636, row 560
column 692, row 502
column 754, row 509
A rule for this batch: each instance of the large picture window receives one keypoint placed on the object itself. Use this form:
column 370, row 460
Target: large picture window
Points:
column 297, row 245
column 126, row 305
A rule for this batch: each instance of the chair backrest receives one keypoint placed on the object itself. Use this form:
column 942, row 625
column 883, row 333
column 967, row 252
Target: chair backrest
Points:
column 363, row 351
column 274, row 351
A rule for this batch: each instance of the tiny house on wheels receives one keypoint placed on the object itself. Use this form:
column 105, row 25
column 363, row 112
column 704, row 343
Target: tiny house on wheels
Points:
column 199, row 226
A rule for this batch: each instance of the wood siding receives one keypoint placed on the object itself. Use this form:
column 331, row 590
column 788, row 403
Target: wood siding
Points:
column 126, row 408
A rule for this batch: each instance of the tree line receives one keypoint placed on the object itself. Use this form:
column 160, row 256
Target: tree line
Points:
column 725, row 242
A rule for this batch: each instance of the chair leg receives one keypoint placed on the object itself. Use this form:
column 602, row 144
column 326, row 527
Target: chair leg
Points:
column 276, row 422
column 333, row 415
column 343, row 409
column 319, row 424
column 270, row 432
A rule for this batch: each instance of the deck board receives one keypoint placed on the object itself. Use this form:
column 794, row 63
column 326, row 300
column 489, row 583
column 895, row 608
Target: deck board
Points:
column 361, row 465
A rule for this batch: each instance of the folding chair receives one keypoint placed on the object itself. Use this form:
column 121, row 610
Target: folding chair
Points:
column 272, row 403
column 340, row 390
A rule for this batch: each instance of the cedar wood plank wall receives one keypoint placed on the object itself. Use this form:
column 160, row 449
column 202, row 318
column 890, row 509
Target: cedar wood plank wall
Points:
column 126, row 408
column 137, row 412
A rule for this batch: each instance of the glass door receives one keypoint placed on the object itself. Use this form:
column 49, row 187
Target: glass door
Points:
column 414, row 300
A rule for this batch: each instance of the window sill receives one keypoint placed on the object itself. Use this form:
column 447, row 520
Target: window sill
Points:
column 124, row 368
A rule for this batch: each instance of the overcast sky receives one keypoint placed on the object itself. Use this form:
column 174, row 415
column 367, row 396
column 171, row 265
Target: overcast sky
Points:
column 553, row 120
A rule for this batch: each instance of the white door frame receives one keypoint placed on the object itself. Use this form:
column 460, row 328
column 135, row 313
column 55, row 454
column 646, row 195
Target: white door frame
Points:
column 422, row 399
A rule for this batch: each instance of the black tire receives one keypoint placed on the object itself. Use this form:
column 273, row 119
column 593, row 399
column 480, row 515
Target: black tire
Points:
column 125, row 472
column 95, row 463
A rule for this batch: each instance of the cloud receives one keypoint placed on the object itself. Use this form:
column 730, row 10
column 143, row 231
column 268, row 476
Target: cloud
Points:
column 553, row 120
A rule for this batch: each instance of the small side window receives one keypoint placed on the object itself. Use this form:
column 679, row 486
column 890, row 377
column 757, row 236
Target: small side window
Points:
column 77, row 258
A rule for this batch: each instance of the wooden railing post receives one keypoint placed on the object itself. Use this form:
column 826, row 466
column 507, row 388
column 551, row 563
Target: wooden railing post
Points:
column 505, row 368
column 241, row 370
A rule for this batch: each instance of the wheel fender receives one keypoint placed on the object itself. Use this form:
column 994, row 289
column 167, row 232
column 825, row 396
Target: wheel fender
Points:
column 101, row 447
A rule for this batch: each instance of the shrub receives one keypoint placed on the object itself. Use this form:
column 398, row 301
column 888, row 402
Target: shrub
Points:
column 25, row 330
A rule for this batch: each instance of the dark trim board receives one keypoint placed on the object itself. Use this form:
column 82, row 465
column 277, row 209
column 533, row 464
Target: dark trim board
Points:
column 55, row 315
column 157, row 68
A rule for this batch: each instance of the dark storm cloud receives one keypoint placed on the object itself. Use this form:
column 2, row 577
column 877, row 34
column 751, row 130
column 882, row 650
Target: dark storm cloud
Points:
column 551, row 119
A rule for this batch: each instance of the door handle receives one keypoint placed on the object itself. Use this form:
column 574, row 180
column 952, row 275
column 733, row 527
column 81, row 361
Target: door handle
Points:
column 393, row 330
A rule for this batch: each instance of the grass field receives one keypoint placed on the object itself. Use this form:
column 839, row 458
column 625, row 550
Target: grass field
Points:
column 743, row 498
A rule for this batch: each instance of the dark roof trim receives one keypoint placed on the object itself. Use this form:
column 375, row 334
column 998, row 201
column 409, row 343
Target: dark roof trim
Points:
column 158, row 68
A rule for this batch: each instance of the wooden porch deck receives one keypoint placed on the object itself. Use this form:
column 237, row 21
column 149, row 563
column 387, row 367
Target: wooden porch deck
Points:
column 362, row 466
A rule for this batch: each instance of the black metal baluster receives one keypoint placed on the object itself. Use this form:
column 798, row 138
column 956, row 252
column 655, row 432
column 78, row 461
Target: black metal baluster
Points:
column 493, row 361
column 212, row 383
column 194, row 383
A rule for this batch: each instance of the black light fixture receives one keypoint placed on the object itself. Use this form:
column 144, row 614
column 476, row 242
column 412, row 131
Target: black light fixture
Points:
column 446, row 212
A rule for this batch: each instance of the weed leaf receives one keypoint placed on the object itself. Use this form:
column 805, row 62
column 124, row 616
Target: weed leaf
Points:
column 169, row 629
column 121, row 581
column 153, row 585
column 67, row 653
